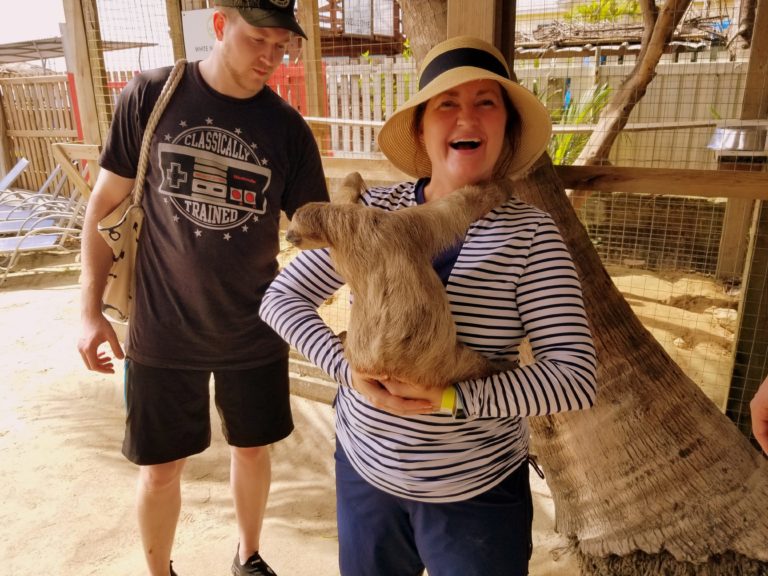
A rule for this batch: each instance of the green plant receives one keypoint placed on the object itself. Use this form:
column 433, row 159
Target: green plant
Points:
column 407, row 52
column 383, row 79
column 565, row 147
column 602, row 10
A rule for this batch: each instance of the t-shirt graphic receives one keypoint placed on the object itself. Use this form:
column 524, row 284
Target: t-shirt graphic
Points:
column 214, row 178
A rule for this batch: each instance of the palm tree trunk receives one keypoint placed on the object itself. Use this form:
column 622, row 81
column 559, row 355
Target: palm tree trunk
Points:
column 425, row 22
column 654, row 479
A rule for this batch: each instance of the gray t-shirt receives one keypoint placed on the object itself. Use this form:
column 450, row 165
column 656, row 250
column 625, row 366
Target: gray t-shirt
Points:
column 221, row 170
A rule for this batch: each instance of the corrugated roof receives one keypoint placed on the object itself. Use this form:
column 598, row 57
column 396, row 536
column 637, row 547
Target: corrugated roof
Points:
column 47, row 48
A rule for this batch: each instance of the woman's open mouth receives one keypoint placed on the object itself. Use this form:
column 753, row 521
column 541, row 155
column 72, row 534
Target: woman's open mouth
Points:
column 466, row 144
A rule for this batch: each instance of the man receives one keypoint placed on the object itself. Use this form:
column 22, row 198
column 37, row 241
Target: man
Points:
column 227, row 155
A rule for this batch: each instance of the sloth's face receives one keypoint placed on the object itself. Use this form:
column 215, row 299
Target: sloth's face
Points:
column 306, row 228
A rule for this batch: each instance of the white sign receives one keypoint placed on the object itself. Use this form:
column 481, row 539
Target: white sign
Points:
column 197, row 26
column 369, row 17
column 383, row 17
column 357, row 17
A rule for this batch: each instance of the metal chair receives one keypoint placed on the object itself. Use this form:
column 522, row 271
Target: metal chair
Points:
column 7, row 180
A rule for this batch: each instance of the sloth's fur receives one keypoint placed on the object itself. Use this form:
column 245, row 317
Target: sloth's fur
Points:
column 400, row 322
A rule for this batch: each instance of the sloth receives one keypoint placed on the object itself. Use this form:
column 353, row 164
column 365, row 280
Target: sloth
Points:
column 400, row 322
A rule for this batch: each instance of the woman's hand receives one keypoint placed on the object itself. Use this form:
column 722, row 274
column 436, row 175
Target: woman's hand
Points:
column 394, row 396
column 408, row 390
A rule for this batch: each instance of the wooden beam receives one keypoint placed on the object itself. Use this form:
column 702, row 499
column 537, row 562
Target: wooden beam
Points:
column 65, row 153
column 74, row 151
column 666, row 181
column 43, row 133
column 657, row 181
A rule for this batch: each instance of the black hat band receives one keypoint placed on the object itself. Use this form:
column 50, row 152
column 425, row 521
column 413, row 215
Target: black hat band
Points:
column 461, row 57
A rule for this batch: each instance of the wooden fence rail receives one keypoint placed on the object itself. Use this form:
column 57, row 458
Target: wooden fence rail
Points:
column 38, row 112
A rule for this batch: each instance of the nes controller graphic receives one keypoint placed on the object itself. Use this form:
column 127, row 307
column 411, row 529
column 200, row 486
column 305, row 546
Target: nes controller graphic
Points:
column 214, row 190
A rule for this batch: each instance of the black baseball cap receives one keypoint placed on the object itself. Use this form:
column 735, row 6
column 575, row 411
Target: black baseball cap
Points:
column 266, row 13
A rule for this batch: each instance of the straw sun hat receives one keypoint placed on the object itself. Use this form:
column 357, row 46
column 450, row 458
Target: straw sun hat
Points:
column 453, row 62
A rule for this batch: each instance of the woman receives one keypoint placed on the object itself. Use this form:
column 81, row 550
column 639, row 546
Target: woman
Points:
column 439, row 479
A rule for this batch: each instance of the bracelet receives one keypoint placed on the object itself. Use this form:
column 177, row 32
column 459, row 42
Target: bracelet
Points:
column 448, row 401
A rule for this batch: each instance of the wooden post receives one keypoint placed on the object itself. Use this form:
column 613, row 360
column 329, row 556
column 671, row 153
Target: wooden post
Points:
column 473, row 17
column 79, row 65
column 313, row 69
column 750, row 355
column 173, row 9
column 98, row 70
column 491, row 20
column 734, row 237
column 5, row 153
column 754, row 106
column 755, row 103
column 505, row 30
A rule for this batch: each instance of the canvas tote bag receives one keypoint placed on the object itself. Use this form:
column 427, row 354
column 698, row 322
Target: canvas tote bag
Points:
column 121, row 227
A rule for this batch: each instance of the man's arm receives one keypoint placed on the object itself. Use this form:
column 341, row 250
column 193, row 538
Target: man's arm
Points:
column 109, row 191
column 759, row 409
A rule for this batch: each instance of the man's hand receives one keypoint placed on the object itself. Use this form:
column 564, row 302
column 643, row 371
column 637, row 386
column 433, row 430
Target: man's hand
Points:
column 109, row 190
column 759, row 409
column 396, row 397
column 97, row 331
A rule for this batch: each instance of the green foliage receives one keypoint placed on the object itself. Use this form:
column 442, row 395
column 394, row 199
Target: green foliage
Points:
column 565, row 147
column 383, row 80
column 407, row 52
column 602, row 10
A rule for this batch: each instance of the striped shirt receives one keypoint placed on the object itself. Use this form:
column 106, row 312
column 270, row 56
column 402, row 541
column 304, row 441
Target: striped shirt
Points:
column 513, row 279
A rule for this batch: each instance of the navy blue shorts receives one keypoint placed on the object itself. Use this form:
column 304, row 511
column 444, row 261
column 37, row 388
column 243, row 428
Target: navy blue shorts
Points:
column 383, row 535
column 168, row 416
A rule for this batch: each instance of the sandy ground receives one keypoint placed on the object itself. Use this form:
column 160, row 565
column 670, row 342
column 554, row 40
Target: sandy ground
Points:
column 67, row 500
column 692, row 317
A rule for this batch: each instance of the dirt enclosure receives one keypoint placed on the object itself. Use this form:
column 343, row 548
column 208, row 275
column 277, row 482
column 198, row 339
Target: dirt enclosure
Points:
column 692, row 316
